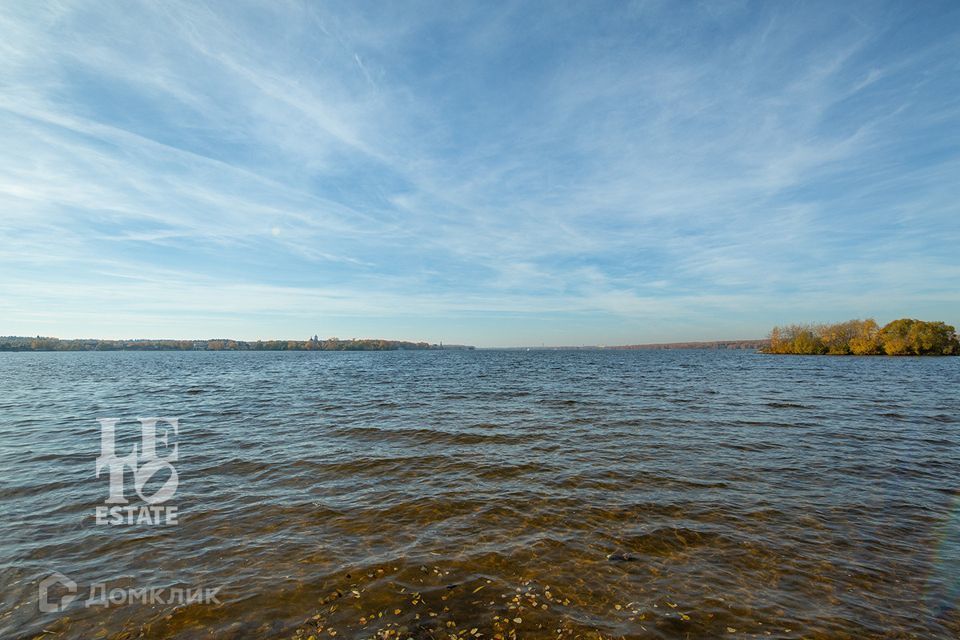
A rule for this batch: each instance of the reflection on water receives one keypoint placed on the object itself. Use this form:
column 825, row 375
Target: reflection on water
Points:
column 484, row 494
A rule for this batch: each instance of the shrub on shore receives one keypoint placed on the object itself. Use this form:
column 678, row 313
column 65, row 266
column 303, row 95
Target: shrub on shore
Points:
column 903, row 337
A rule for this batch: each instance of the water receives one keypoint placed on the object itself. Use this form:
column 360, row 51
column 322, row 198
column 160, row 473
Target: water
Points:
column 639, row 494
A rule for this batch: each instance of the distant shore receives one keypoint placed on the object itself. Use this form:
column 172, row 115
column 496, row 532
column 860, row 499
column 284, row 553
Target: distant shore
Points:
column 43, row 343
column 653, row 346
column 22, row 343
column 711, row 344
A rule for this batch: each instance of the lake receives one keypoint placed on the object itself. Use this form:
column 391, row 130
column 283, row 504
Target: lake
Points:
column 525, row 494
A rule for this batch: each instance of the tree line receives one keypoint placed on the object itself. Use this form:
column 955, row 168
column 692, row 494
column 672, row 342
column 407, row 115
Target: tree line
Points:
column 40, row 343
column 903, row 337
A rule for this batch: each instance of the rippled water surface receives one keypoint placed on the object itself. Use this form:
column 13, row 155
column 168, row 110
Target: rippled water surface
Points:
column 655, row 494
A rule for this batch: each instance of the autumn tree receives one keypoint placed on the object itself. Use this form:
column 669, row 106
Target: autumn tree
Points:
column 908, row 336
column 905, row 336
column 866, row 341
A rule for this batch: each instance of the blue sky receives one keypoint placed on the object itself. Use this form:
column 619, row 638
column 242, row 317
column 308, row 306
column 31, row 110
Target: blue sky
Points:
column 488, row 173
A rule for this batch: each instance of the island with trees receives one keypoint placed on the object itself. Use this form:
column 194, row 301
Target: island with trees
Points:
column 20, row 343
column 903, row 337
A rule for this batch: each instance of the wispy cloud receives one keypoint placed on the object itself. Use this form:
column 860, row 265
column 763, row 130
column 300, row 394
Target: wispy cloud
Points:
column 650, row 171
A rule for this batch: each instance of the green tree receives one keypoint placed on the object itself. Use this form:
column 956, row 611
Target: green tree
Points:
column 908, row 336
column 932, row 338
column 895, row 337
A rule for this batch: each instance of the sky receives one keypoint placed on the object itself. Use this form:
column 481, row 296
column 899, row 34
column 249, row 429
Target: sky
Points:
column 493, row 174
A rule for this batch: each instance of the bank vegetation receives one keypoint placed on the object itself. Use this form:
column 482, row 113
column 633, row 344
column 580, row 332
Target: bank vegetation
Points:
column 903, row 337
